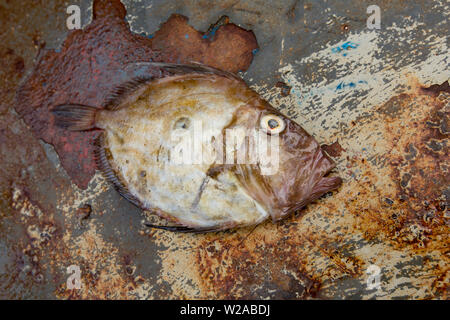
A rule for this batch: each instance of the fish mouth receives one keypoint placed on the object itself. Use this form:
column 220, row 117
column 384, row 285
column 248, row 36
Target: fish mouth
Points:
column 326, row 184
column 319, row 184
column 279, row 203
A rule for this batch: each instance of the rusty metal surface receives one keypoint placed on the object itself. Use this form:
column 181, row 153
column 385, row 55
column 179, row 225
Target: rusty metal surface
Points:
column 93, row 61
column 361, row 92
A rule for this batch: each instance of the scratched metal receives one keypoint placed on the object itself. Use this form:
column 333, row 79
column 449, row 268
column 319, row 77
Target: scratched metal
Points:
column 317, row 63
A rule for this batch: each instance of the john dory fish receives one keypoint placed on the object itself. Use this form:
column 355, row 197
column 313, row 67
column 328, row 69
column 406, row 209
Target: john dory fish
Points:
column 135, row 148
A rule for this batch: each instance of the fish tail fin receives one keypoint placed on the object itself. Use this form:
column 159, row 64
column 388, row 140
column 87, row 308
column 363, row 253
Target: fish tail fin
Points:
column 74, row 117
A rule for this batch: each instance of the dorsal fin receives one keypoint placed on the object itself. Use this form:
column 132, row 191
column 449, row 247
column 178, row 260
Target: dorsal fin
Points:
column 193, row 67
column 121, row 93
column 124, row 91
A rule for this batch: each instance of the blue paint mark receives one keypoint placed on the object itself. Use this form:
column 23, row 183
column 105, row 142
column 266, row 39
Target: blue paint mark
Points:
column 254, row 51
column 211, row 33
column 186, row 36
column 351, row 84
column 345, row 46
column 150, row 36
column 349, row 44
column 57, row 50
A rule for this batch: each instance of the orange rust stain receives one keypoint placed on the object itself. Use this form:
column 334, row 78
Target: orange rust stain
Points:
column 307, row 252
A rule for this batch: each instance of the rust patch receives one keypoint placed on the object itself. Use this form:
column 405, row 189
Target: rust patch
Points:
column 91, row 63
column 374, row 218
column 225, row 46
column 418, row 172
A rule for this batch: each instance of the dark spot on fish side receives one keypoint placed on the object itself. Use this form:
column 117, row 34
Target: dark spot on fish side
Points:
column 143, row 173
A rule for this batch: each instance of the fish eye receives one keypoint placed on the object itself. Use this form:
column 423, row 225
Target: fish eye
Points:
column 272, row 123
column 182, row 123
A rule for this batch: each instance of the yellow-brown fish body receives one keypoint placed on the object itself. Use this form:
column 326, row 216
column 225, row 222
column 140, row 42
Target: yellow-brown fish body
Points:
column 145, row 123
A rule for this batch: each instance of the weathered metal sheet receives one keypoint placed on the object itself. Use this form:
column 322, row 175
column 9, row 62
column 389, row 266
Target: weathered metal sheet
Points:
column 361, row 92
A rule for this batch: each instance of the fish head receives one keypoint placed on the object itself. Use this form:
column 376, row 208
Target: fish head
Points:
column 290, row 170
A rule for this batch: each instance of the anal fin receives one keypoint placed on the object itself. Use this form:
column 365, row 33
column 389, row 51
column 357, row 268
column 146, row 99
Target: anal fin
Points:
column 184, row 229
